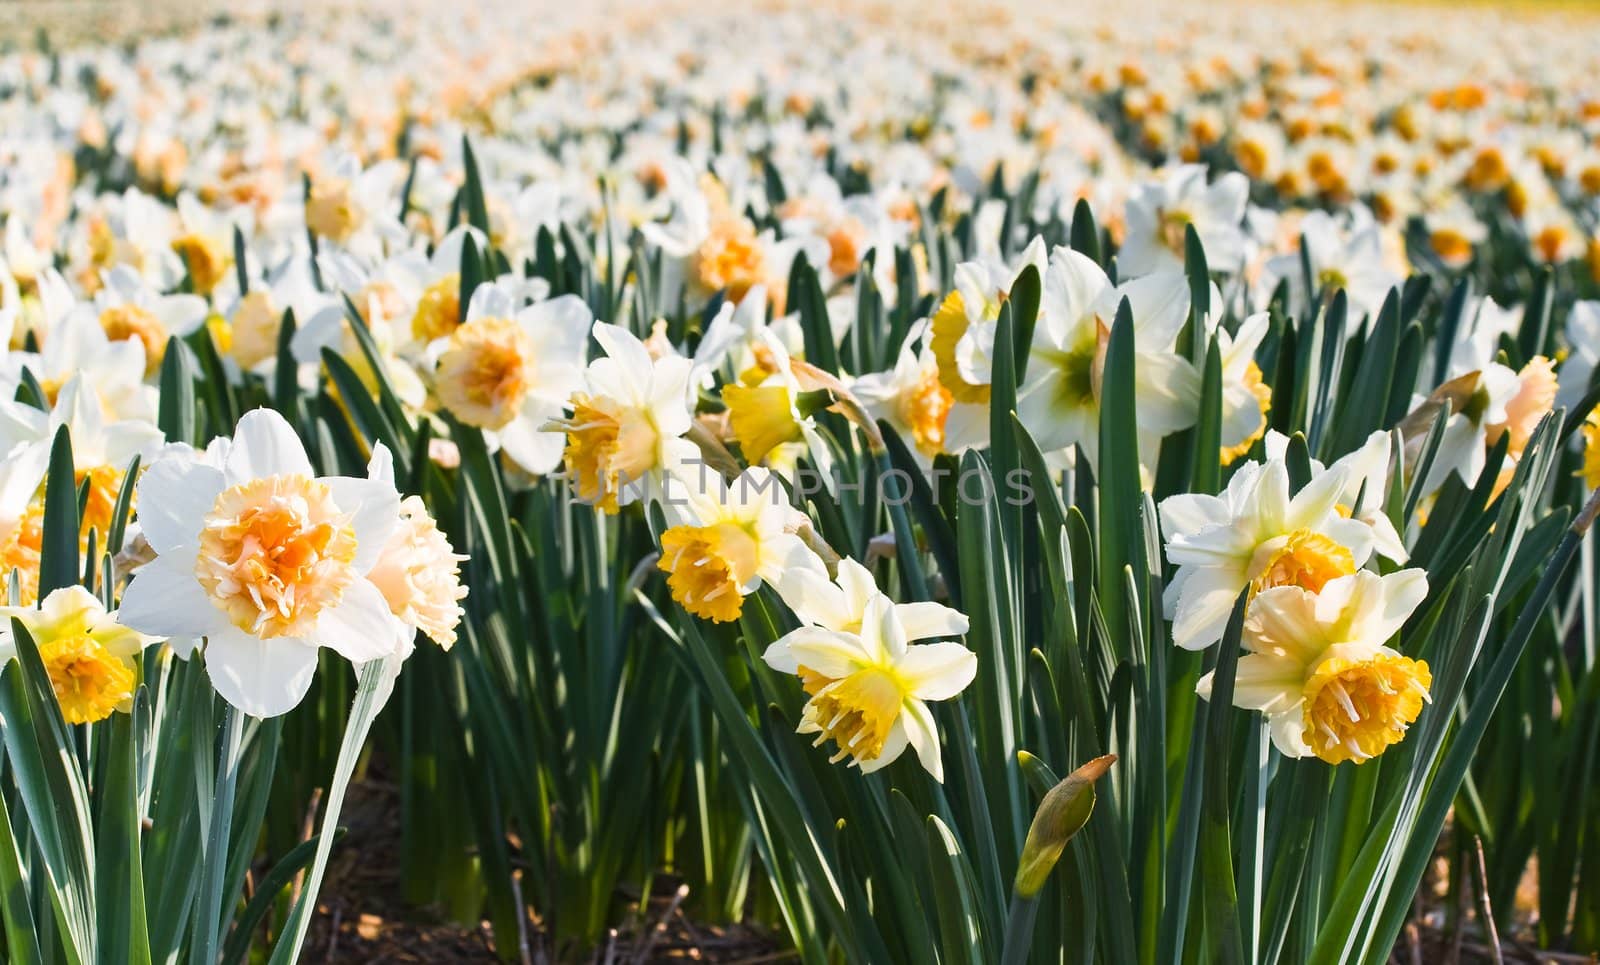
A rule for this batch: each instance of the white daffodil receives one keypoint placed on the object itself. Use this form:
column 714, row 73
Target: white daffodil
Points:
column 728, row 538
column 509, row 370
column 73, row 344
column 1059, row 400
column 868, row 685
column 247, row 332
column 101, row 449
column 205, row 241
column 1159, row 211
column 128, row 308
column 266, row 561
column 1488, row 399
column 355, row 208
column 1318, row 667
column 627, row 423
column 1246, row 399
column 1254, row 535
column 418, row 572
column 964, row 325
column 21, row 522
column 911, row 398
column 1366, row 481
column 384, row 309
column 1351, row 259
column 87, row 653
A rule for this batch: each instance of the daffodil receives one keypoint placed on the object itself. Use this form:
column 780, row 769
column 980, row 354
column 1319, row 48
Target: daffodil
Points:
column 1160, row 212
column 87, row 653
column 964, row 324
column 21, row 529
column 74, row 343
column 418, row 572
column 1059, row 400
column 728, row 538
column 627, row 423
column 128, row 308
column 1319, row 668
column 265, row 560
column 101, row 449
column 1366, row 488
column 868, row 686
column 912, row 399
column 774, row 411
column 1246, row 399
column 1257, row 535
column 509, row 370
column 1343, row 257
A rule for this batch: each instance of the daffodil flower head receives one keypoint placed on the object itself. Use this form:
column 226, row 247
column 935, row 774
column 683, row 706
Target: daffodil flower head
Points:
column 964, row 325
column 265, row 560
column 627, row 423
column 729, row 539
column 1059, row 402
column 87, row 654
column 1255, row 535
column 1319, row 668
column 868, row 685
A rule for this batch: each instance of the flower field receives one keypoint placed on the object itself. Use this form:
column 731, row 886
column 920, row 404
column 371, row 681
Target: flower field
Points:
column 863, row 483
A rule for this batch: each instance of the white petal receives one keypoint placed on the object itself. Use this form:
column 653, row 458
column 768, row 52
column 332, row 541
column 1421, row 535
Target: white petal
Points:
column 375, row 512
column 264, row 445
column 175, row 494
column 165, row 599
column 893, row 746
column 937, row 671
column 924, row 620
column 263, row 678
column 829, row 653
column 360, row 627
column 923, row 736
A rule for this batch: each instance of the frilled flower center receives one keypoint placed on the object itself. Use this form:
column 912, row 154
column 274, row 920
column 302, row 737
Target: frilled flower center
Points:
column 1263, row 395
column 331, row 210
column 105, row 484
column 206, row 260
column 706, row 568
column 483, row 376
column 730, row 259
column 253, row 332
column 21, row 543
column 123, row 322
column 1452, row 246
column 438, row 310
column 1303, row 558
column 275, row 553
column 609, row 446
column 90, row 682
column 1356, row 709
column 419, row 575
column 925, row 407
column 855, row 712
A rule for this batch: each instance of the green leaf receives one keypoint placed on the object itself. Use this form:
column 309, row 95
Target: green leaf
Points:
column 119, row 872
column 16, row 912
column 960, row 928
column 58, row 556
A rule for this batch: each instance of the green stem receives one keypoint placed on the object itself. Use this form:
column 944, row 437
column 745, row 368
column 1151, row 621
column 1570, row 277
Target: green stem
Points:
column 367, row 704
column 1019, row 929
column 218, row 834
